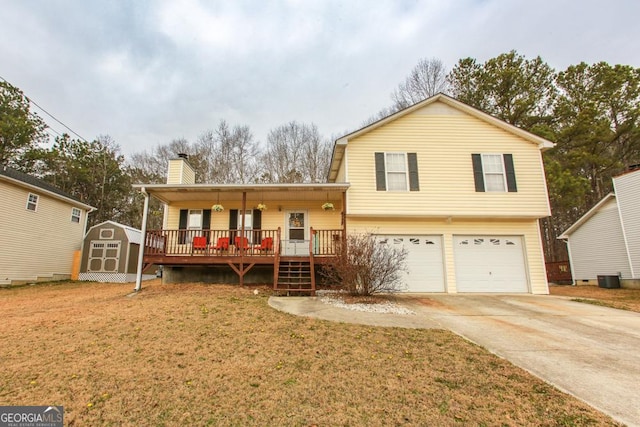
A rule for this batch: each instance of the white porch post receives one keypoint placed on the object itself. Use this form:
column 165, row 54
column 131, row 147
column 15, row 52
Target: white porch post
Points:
column 143, row 240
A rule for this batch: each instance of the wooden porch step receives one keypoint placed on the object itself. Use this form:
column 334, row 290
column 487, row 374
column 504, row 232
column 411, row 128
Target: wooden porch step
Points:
column 295, row 276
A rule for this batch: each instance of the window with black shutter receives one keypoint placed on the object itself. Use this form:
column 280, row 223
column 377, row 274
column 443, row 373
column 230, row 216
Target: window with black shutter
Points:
column 397, row 172
column 494, row 173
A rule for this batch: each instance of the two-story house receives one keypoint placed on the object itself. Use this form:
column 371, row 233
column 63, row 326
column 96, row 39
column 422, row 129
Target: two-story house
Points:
column 41, row 229
column 461, row 190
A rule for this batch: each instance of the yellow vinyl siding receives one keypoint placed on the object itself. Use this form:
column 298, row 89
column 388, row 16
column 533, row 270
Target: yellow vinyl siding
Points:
column 528, row 229
column 180, row 172
column 36, row 244
column 174, row 174
column 444, row 144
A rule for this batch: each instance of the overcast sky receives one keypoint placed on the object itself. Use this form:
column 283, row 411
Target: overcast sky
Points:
column 149, row 71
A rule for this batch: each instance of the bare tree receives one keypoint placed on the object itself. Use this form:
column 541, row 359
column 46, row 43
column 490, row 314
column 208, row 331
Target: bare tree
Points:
column 367, row 266
column 385, row 112
column 296, row 153
column 316, row 157
column 245, row 153
column 223, row 155
column 428, row 78
column 153, row 164
column 229, row 154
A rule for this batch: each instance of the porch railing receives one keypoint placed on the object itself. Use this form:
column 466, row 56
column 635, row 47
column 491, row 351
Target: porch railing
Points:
column 233, row 242
column 212, row 242
column 326, row 242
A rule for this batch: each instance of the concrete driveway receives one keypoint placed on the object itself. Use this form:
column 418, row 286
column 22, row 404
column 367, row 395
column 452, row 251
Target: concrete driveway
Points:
column 588, row 351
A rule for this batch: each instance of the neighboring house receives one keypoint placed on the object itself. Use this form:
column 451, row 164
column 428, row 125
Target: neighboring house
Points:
column 110, row 253
column 606, row 240
column 41, row 229
column 461, row 190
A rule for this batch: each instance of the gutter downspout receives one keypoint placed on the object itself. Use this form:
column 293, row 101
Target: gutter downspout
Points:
column 86, row 222
column 84, row 234
column 574, row 282
column 143, row 240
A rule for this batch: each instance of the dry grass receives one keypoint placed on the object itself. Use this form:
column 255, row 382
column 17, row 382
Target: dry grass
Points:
column 196, row 354
column 624, row 299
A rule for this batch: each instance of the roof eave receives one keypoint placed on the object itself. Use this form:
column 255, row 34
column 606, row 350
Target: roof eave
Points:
column 245, row 187
column 57, row 196
column 584, row 218
column 542, row 143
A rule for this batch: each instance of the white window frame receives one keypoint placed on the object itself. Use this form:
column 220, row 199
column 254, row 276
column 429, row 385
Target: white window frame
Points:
column 194, row 219
column 485, row 174
column 33, row 203
column 248, row 223
column 107, row 233
column 76, row 215
column 387, row 171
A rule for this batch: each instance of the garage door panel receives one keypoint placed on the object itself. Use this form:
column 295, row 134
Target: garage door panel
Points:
column 424, row 261
column 490, row 264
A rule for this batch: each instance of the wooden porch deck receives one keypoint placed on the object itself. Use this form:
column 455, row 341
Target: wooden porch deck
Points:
column 243, row 250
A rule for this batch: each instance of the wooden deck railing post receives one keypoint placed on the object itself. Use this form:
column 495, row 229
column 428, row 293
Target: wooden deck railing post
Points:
column 312, row 271
column 276, row 261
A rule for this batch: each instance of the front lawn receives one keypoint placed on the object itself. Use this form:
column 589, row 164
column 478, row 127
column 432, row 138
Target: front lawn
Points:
column 624, row 299
column 195, row 354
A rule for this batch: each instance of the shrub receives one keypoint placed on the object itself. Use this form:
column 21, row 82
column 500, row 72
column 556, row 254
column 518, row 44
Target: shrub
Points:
column 367, row 266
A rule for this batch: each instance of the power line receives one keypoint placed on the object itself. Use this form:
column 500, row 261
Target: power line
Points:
column 53, row 132
column 48, row 113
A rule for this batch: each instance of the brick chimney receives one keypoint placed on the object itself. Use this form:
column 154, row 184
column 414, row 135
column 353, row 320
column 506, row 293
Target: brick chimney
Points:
column 180, row 171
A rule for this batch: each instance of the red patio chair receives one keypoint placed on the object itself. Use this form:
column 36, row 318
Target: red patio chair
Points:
column 221, row 245
column 199, row 244
column 241, row 243
column 266, row 245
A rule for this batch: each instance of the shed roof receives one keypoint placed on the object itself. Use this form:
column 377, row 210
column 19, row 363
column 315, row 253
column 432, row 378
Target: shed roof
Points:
column 133, row 234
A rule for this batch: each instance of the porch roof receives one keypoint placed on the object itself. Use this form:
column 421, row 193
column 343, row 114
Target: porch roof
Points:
column 172, row 193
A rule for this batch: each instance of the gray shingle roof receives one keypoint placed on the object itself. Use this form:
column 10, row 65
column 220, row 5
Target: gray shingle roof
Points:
column 36, row 182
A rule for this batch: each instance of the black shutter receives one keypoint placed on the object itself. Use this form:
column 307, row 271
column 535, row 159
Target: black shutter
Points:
column 182, row 225
column 414, row 182
column 206, row 219
column 256, row 219
column 233, row 219
column 206, row 222
column 477, row 172
column 381, row 182
column 233, row 225
column 511, row 173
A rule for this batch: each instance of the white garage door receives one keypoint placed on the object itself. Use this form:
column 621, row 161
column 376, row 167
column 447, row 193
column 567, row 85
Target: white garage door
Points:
column 490, row 264
column 424, row 261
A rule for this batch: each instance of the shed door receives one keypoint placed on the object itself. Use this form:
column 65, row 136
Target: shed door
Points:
column 424, row 261
column 104, row 256
column 490, row 264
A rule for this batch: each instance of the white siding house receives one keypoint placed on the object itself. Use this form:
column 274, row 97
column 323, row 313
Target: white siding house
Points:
column 627, row 188
column 40, row 229
column 606, row 240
